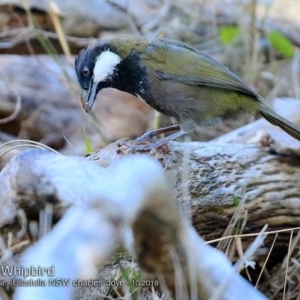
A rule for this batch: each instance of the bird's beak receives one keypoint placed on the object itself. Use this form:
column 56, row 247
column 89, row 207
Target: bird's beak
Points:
column 89, row 96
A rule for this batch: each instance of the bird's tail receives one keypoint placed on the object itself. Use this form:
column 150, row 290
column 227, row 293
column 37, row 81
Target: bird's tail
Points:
column 275, row 119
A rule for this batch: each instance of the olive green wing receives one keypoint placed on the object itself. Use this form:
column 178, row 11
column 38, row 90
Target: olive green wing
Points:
column 178, row 62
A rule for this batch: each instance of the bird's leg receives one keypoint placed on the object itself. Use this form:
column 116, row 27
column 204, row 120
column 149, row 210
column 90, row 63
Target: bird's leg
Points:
column 156, row 143
column 159, row 142
column 150, row 134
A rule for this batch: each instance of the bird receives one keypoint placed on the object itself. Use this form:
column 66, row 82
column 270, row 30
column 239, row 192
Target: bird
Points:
column 175, row 79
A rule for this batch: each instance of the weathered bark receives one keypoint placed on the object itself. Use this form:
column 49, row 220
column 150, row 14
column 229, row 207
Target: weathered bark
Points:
column 206, row 178
column 124, row 196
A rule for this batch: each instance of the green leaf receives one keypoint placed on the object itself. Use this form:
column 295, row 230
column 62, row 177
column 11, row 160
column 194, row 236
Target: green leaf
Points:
column 130, row 276
column 281, row 43
column 228, row 34
column 88, row 145
column 238, row 226
column 236, row 201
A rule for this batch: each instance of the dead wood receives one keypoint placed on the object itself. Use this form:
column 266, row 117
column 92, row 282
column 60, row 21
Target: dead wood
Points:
column 206, row 178
column 123, row 196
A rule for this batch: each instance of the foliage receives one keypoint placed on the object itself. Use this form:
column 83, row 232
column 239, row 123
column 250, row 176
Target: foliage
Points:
column 228, row 34
column 88, row 145
column 236, row 201
column 281, row 43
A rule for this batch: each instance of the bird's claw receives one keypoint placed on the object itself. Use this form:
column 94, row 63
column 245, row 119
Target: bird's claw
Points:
column 145, row 137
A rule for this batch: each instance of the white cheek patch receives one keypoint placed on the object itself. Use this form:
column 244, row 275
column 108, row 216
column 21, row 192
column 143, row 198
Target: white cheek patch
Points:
column 105, row 65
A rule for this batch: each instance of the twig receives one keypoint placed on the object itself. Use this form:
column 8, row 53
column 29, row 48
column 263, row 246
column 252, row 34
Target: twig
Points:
column 19, row 245
column 53, row 13
column 252, row 234
column 162, row 13
column 229, row 229
column 28, row 143
column 124, row 8
column 266, row 260
column 17, row 108
column 287, row 264
column 248, row 254
column 19, row 34
column 23, row 222
column 295, row 75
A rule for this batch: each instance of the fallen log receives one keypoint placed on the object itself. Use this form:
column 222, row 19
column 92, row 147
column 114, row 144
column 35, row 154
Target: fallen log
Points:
column 169, row 251
column 205, row 180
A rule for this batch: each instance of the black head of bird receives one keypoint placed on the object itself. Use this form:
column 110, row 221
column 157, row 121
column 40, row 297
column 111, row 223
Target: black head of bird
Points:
column 173, row 78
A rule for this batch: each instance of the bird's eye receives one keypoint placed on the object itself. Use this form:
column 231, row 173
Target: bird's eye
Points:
column 85, row 72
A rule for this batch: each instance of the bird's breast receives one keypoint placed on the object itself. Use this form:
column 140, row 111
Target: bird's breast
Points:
column 158, row 103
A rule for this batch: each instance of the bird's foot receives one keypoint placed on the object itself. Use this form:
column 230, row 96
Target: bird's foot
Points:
column 151, row 143
column 145, row 137
column 150, row 134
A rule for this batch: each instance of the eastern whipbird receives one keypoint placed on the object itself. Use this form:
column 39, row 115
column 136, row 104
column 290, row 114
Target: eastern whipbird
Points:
column 173, row 78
